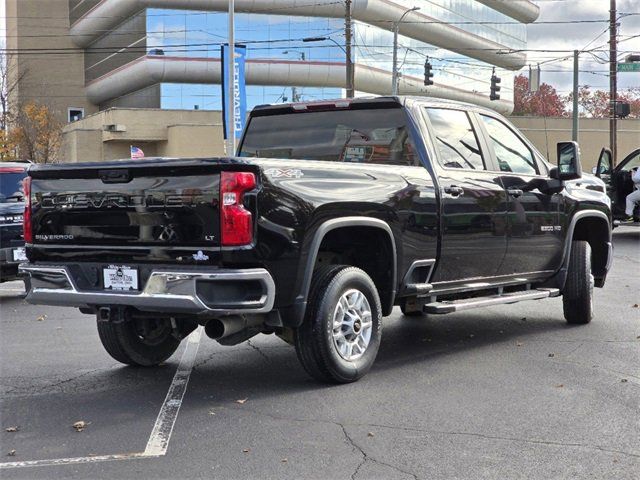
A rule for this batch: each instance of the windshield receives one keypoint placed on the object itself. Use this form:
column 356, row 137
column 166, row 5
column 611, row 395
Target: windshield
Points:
column 11, row 184
column 355, row 136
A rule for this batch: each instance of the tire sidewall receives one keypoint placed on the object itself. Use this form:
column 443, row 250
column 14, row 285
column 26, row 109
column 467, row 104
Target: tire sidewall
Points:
column 343, row 281
column 141, row 353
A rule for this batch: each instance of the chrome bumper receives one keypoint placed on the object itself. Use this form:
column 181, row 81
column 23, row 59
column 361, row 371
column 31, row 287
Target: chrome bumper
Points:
column 170, row 291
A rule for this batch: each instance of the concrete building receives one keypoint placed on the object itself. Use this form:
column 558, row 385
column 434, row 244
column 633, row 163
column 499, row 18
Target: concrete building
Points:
column 86, row 57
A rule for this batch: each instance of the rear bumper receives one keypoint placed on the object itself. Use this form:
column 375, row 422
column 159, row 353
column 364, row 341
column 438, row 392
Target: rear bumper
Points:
column 6, row 256
column 206, row 291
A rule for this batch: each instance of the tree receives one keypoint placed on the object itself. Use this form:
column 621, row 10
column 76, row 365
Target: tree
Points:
column 596, row 104
column 545, row 102
column 35, row 134
column 8, row 84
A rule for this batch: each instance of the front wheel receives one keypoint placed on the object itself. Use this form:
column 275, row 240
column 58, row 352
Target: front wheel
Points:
column 340, row 336
column 142, row 342
column 577, row 297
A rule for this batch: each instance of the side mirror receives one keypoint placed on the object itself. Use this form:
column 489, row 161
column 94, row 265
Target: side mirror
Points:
column 594, row 170
column 569, row 167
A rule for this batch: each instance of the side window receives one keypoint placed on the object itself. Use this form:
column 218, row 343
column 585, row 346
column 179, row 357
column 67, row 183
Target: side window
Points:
column 455, row 139
column 632, row 163
column 512, row 154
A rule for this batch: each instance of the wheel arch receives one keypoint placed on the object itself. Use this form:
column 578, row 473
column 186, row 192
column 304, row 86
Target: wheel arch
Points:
column 350, row 224
column 593, row 226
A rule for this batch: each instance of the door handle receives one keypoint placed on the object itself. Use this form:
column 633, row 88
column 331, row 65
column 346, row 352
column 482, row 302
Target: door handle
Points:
column 454, row 190
column 514, row 192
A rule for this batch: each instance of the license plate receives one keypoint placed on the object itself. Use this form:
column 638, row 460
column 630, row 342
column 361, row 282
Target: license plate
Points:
column 120, row 278
column 19, row 255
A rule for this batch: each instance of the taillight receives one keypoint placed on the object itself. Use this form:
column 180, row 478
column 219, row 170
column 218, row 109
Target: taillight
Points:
column 236, row 222
column 26, row 219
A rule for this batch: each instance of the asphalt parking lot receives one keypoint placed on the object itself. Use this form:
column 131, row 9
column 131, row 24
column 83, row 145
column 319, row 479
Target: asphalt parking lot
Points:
column 504, row 392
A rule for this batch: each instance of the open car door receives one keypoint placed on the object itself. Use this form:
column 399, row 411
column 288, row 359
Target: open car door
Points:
column 604, row 166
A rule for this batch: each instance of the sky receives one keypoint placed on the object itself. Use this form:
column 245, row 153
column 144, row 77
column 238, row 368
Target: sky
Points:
column 566, row 36
column 575, row 36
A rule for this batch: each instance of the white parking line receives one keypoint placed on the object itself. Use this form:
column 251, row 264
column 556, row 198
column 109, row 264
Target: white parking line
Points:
column 160, row 435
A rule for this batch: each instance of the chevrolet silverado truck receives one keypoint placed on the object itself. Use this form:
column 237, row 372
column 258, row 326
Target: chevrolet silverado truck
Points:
column 331, row 214
column 12, row 251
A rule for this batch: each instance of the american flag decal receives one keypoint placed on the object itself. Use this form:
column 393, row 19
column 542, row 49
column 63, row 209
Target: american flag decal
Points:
column 136, row 153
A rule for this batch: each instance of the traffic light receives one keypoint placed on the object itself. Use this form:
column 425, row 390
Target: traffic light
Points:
column 428, row 74
column 494, row 86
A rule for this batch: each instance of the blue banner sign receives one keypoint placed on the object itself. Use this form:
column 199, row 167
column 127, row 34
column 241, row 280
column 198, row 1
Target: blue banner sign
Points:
column 240, row 91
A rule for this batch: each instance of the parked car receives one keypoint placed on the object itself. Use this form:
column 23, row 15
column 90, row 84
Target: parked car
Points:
column 619, row 184
column 12, row 250
column 333, row 213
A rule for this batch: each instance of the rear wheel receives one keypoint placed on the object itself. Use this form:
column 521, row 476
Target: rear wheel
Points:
column 340, row 336
column 577, row 297
column 142, row 342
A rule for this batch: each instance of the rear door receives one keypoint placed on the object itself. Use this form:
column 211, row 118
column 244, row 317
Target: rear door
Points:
column 534, row 233
column 473, row 200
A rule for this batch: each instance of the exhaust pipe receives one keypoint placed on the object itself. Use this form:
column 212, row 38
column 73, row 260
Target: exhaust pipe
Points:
column 219, row 328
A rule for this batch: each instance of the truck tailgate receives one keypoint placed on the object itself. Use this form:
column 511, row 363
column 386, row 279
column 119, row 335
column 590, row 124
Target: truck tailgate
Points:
column 163, row 205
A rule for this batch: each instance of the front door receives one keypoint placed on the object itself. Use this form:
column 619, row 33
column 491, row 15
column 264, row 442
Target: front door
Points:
column 473, row 200
column 534, row 234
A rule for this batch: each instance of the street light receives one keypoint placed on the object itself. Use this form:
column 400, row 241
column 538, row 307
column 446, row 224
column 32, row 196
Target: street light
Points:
column 394, row 73
column 349, row 65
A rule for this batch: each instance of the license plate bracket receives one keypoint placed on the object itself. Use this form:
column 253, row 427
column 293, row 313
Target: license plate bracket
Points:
column 120, row 277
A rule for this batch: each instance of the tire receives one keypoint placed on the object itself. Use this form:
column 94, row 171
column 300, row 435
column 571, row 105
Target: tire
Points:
column 340, row 355
column 407, row 312
column 138, row 342
column 577, row 297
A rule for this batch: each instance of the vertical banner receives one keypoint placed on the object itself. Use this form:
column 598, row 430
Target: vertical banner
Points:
column 240, row 90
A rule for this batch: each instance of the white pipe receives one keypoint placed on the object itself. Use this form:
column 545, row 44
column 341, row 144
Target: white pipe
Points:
column 522, row 10
column 418, row 26
column 148, row 71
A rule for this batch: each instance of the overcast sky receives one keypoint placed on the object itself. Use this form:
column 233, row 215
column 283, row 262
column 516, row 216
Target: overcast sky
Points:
column 574, row 36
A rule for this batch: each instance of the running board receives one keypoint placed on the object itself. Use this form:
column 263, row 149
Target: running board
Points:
column 416, row 289
column 447, row 306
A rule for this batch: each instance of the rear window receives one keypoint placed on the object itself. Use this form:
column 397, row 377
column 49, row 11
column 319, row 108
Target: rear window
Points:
column 11, row 184
column 353, row 136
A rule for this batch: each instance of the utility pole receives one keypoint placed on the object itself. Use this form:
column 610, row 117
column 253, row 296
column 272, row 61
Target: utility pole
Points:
column 231, row 84
column 613, row 81
column 348, row 41
column 574, row 134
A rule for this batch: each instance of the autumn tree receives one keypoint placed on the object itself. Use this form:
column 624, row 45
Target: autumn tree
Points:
column 545, row 102
column 596, row 104
column 8, row 85
column 35, row 133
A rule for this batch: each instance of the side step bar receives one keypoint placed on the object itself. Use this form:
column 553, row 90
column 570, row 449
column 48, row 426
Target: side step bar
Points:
column 446, row 306
column 416, row 289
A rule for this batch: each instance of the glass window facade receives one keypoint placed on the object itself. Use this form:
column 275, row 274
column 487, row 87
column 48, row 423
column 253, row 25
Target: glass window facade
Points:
column 196, row 34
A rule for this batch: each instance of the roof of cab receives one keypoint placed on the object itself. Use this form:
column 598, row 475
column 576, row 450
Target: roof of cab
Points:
column 359, row 103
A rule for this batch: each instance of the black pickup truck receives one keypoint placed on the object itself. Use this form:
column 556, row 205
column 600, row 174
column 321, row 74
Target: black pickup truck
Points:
column 332, row 213
column 12, row 251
